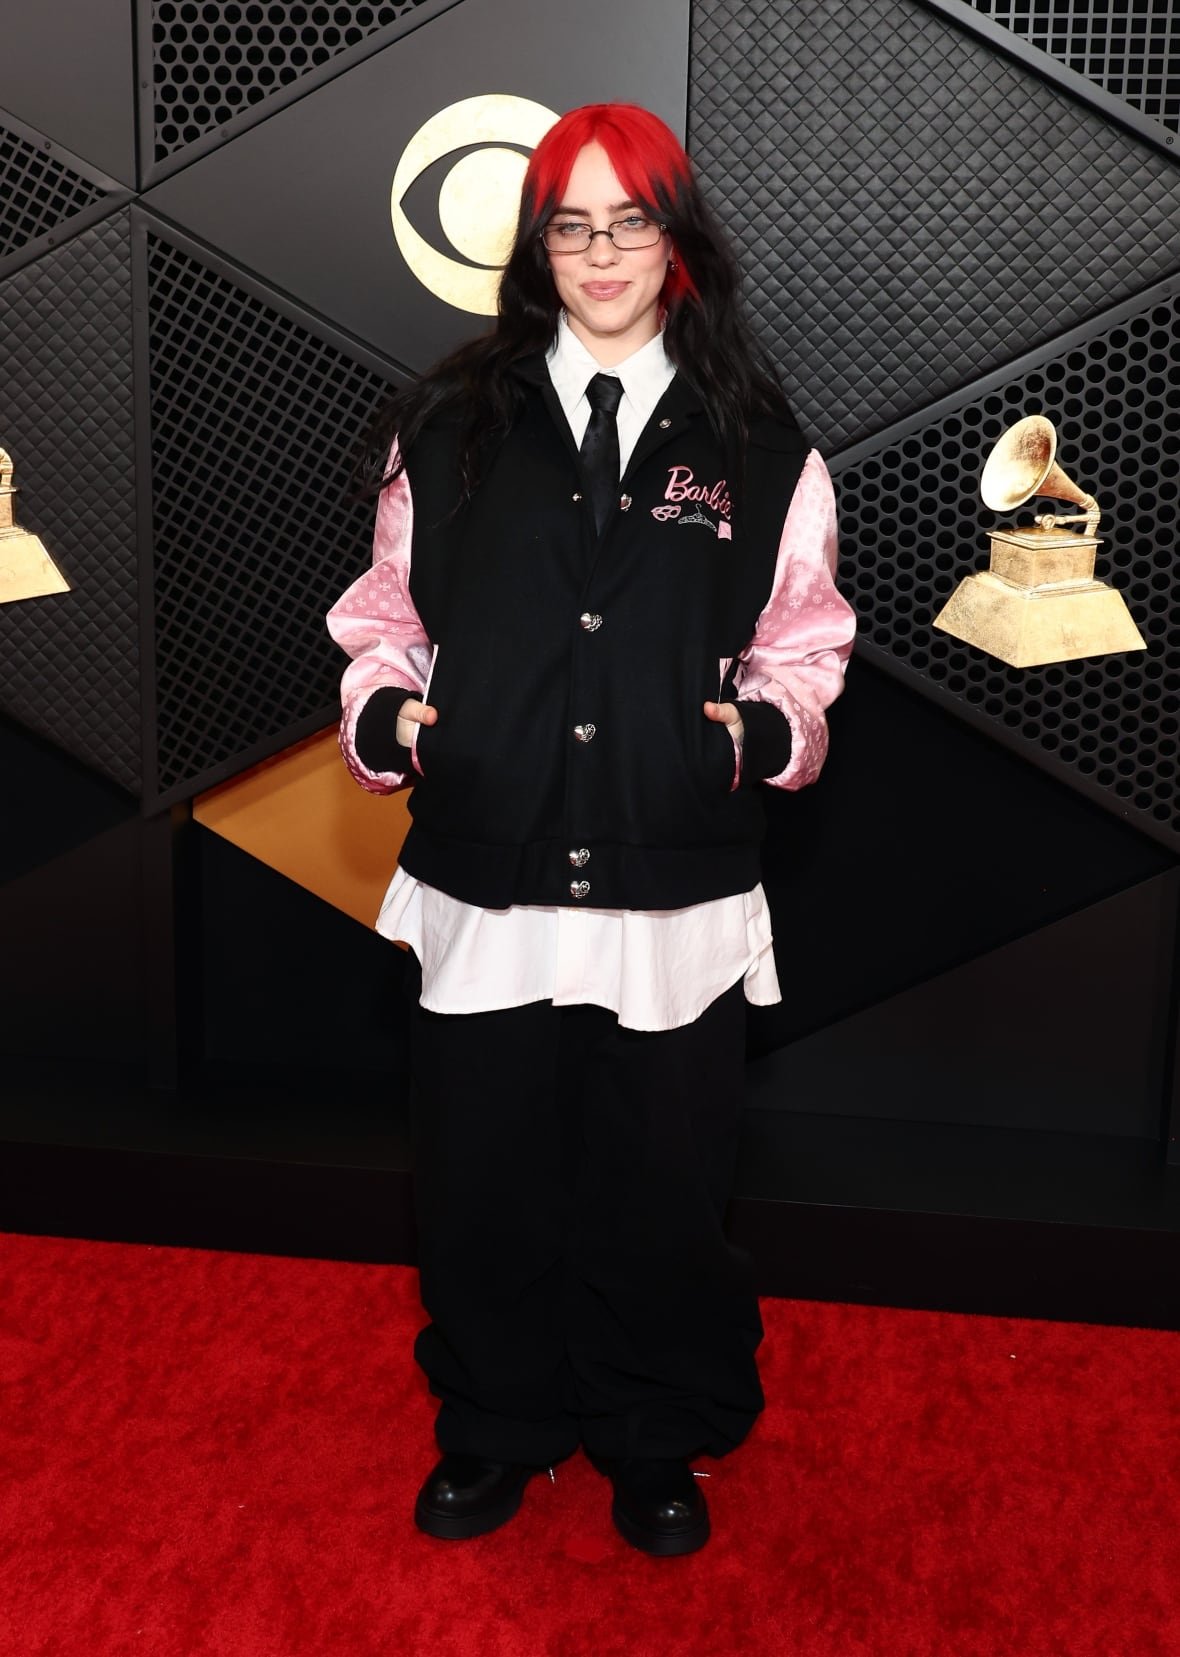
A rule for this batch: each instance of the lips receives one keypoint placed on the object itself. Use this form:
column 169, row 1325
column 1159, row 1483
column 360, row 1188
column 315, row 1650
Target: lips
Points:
column 603, row 290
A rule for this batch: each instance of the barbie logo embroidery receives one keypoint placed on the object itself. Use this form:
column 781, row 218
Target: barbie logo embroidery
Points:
column 682, row 486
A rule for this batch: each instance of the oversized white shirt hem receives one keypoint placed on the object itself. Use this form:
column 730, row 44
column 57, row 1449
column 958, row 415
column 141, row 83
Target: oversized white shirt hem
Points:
column 655, row 969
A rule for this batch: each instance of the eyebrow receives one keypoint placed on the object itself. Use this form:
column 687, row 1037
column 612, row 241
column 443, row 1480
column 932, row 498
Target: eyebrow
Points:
column 615, row 207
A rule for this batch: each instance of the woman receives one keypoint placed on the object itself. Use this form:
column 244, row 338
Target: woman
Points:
column 600, row 613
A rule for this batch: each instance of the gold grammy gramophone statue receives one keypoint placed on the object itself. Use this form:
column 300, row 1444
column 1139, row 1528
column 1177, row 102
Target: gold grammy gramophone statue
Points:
column 26, row 569
column 1038, row 602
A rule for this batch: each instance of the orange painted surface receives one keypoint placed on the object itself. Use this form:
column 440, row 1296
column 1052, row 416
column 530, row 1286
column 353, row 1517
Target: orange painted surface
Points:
column 302, row 814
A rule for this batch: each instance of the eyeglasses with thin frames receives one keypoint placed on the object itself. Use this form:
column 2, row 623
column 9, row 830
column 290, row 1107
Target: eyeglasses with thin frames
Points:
column 568, row 236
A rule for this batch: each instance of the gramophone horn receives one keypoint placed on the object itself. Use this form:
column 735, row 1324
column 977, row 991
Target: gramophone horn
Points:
column 1022, row 465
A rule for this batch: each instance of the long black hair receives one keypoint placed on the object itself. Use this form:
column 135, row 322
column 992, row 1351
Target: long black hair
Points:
column 706, row 335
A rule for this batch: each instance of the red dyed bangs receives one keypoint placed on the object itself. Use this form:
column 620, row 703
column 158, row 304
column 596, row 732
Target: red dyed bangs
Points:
column 645, row 154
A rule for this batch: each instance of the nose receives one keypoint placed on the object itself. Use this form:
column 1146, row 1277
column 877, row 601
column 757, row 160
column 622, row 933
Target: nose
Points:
column 602, row 251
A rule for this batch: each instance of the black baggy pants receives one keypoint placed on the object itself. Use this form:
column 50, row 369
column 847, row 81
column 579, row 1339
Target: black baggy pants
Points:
column 570, row 1183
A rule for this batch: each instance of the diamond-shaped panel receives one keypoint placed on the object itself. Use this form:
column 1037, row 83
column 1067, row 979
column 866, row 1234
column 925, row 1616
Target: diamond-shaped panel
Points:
column 69, row 663
column 913, row 208
column 914, row 523
column 1128, row 47
column 301, row 813
column 254, row 421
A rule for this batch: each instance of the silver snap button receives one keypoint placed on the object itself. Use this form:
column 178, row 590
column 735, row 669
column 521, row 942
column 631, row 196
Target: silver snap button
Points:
column 625, row 503
column 590, row 621
column 579, row 856
column 579, row 888
column 585, row 733
column 664, row 424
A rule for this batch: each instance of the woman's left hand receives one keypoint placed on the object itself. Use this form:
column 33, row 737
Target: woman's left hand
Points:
column 726, row 713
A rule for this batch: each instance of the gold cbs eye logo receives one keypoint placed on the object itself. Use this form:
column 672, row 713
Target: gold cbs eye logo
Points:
column 477, row 201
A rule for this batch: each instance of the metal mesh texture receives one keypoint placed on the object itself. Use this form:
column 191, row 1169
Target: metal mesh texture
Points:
column 913, row 526
column 212, row 59
column 872, row 162
column 69, row 662
column 253, row 422
column 1130, row 48
column 39, row 192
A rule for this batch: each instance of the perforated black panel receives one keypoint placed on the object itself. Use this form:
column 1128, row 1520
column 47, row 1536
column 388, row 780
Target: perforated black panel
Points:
column 38, row 192
column 1128, row 47
column 915, row 525
column 885, row 175
column 213, row 59
column 69, row 662
column 253, row 419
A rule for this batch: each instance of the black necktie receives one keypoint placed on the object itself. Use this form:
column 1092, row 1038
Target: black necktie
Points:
column 600, row 446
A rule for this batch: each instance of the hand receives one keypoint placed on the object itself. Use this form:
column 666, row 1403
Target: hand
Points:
column 725, row 713
column 413, row 713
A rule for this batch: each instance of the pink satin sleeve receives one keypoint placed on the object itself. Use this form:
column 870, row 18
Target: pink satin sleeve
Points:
column 376, row 623
column 803, row 638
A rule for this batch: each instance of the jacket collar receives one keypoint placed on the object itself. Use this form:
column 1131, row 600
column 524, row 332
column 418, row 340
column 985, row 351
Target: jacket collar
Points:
column 678, row 406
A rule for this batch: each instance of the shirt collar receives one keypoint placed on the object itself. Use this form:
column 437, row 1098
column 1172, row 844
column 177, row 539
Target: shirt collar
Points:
column 646, row 373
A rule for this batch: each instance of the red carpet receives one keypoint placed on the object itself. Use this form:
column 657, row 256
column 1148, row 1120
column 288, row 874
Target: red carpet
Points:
column 215, row 1455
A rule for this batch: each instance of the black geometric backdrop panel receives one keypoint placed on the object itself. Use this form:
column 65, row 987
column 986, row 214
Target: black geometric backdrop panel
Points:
column 69, row 662
column 1130, row 48
column 213, row 60
column 914, row 525
column 39, row 194
column 253, row 419
column 914, row 209
column 69, row 71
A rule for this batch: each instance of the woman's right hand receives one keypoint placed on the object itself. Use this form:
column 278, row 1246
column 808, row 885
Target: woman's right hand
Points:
column 413, row 713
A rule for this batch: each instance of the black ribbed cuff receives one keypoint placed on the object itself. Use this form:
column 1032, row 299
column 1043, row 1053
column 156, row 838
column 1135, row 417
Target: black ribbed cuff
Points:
column 766, row 743
column 376, row 742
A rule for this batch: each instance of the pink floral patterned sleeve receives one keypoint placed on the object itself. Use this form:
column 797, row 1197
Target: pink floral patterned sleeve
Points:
column 376, row 623
column 803, row 638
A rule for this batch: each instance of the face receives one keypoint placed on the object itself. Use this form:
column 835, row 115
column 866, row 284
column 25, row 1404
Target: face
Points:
column 611, row 296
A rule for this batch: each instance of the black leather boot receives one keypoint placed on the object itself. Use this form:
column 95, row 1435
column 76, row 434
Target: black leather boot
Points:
column 658, row 1504
column 467, row 1496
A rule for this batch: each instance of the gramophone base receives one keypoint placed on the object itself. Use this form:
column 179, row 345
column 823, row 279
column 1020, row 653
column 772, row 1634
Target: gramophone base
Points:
column 1032, row 626
column 26, row 569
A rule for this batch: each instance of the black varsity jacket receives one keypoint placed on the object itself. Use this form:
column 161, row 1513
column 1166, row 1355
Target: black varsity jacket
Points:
column 571, row 761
